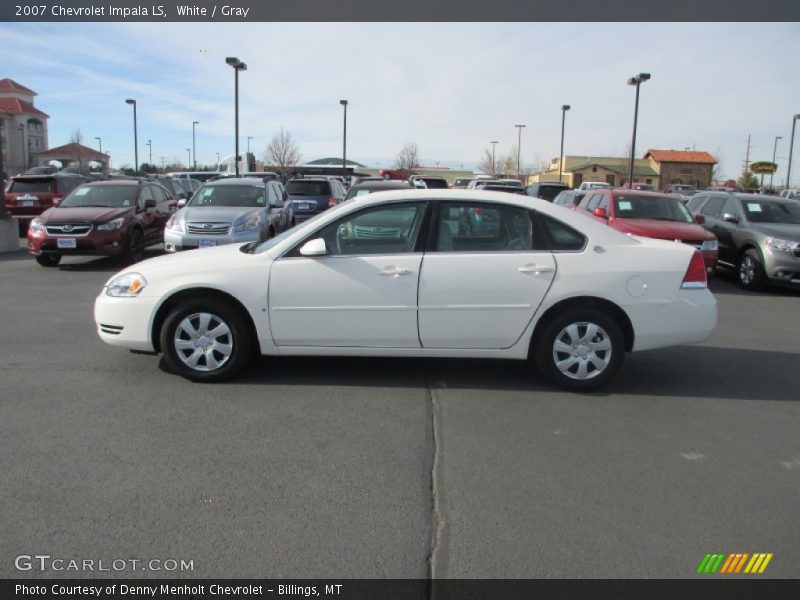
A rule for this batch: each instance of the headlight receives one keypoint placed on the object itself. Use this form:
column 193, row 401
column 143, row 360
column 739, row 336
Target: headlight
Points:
column 175, row 224
column 127, row 285
column 111, row 225
column 781, row 245
column 251, row 224
column 709, row 245
column 36, row 226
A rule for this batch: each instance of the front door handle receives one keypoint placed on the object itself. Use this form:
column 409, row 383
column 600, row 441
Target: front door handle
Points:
column 392, row 271
column 535, row 269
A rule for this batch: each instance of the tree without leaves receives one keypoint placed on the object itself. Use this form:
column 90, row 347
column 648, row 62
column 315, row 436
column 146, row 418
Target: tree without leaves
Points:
column 76, row 137
column 281, row 152
column 486, row 166
column 408, row 157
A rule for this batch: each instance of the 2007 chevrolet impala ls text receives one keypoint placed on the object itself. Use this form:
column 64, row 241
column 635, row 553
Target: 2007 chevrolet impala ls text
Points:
column 436, row 273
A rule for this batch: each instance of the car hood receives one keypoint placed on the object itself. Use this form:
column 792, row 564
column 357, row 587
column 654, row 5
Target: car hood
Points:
column 662, row 230
column 785, row 231
column 228, row 214
column 195, row 264
column 89, row 214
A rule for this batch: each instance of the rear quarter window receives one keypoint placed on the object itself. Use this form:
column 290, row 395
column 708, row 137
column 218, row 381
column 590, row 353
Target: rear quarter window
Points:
column 21, row 186
column 560, row 236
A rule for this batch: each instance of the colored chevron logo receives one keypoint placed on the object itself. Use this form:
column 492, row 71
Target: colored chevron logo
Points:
column 734, row 564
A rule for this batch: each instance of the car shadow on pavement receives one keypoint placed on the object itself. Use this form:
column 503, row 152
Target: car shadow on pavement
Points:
column 726, row 282
column 683, row 371
column 109, row 264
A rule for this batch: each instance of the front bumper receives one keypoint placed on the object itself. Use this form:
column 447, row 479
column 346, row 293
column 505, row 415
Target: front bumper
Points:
column 175, row 241
column 97, row 243
column 125, row 322
column 782, row 267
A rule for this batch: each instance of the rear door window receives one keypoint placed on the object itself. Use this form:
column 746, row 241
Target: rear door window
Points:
column 713, row 206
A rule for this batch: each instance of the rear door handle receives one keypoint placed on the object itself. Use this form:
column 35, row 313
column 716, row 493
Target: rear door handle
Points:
column 391, row 271
column 535, row 269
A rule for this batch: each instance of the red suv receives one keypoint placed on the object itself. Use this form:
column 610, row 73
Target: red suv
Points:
column 30, row 195
column 107, row 218
column 653, row 215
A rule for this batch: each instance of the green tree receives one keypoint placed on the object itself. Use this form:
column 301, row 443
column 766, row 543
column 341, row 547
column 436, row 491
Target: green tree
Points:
column 747, row 181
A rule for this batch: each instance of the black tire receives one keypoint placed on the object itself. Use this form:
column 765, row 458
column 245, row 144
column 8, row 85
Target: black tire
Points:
column 134, row 247
column 752, row 276
column 230, row 362
column 576, row 350
column 48, row 260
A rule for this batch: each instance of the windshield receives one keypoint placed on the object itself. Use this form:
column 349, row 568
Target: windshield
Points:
column 766, row 211
column 664, row 208
column 230, row 195
column 109, row 196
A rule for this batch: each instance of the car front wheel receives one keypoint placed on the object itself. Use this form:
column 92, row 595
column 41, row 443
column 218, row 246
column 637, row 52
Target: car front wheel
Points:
column 751, row 272
column 579, row 350
column 48, row 260
column 206, row 340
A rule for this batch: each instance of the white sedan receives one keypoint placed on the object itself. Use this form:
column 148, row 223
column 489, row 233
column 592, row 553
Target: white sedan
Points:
column 436, row 273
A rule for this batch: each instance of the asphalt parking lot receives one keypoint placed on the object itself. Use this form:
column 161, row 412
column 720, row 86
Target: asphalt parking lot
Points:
column 338, row 467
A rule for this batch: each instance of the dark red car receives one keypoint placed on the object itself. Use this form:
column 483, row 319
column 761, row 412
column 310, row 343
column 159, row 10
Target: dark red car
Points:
column 106, row 218
column 30, row 194
column 653, row 215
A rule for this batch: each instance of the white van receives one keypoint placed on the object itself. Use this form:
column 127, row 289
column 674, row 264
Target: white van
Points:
column 590, row 185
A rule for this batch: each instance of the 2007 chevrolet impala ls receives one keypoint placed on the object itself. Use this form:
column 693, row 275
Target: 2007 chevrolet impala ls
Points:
column 433, row 273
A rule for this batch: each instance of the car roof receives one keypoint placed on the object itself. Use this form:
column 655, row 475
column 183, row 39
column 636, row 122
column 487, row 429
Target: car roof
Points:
column 389, row 184
column 116, row 182
column 236, row 181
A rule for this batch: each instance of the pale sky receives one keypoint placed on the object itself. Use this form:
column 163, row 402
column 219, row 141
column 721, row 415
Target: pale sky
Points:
column 449, row 87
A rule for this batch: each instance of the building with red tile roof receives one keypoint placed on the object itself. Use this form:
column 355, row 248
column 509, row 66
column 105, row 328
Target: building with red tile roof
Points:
column 683, row 166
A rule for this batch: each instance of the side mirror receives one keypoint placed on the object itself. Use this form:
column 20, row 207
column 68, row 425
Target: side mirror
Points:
column 700, row 219
column 730, row 217
column 181, row 202
column 601, row 212
column 150, row 203
column 315, row 247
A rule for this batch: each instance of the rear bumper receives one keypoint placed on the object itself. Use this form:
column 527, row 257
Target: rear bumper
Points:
column 688, row 319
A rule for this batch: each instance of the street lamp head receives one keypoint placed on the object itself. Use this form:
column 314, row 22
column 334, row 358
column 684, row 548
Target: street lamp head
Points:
column 343, row 102
column 519, row 125
column 130, row 101
column 565, row 107
column 233, row 61
column 640, row 78
column 796, row 117
column 195, row 122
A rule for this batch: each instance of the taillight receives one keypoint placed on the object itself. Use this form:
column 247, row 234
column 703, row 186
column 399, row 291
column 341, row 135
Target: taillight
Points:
column 696, row 273
column 331, row 202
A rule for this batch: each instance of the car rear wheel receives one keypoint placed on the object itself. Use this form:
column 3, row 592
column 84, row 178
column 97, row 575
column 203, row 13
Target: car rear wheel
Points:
column 751, row 272
column 134, row 249
column 580, row 349
column 48, row 260
column 206, row 340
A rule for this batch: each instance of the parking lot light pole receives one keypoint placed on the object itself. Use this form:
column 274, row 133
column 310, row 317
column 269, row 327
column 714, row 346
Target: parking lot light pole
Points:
column 774, row 154
column 150, row 147
column 237, row 66
column 189, row 154
column 519, row 148
column 344, row 139
column 194, row 147
column 494, row 169
column 564, row 110
column 249, row 137
column 100, row 142
column 791, row 147
column 135, row 136
column 637, row 81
